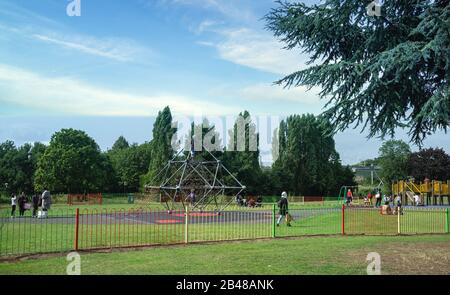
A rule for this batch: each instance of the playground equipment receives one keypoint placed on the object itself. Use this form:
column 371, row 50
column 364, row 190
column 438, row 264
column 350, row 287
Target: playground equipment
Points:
column 356, row 191
column 343, row 192
column 205, row 176
column 430, row 192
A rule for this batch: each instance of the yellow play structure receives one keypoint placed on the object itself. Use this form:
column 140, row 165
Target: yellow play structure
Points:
column 430, row 192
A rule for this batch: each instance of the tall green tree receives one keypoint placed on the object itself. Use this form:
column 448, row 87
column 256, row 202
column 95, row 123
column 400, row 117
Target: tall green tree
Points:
column 161, row 145
column 130, row 163
column 120, row 144
column 309, row 163
column 8, row 153
column 383, row 72
column 72, row 163
column 393, row 160
column 17, row 166
column 242, row 154
column 431, row 163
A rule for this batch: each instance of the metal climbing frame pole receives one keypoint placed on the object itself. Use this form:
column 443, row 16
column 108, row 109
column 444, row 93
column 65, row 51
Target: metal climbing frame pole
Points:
column 274, row 209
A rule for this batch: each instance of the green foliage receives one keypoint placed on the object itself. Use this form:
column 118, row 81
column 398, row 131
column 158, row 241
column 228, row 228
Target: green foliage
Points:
column 205, row 133
column 393, row 160
column 120, row 144
column 433, row 164
column 308, row 163
column 383, row 71
column 244, row 164
column 130, row 163
column 17, row 166
column 161, row 150
column 72, row 163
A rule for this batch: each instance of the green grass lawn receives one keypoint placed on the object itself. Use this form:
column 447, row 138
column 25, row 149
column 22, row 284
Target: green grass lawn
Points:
column 311, row 255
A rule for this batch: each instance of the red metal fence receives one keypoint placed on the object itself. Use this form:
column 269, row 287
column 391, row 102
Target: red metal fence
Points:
column 92, row 228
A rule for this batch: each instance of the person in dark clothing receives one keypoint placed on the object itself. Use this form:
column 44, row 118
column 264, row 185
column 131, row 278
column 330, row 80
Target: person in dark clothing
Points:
column 22, row 201
column 284, row 208
column 35, row 203
column 259, row 201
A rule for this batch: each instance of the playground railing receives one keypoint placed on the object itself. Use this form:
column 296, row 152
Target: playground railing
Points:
column 235, row 223
column 310, row 221
column 25, row 235
column 411, row 220
column 82, row 229
column 368, row 221
column 423, row 220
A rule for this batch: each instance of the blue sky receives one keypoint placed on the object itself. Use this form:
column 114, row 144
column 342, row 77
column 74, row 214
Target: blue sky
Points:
column 110, row 70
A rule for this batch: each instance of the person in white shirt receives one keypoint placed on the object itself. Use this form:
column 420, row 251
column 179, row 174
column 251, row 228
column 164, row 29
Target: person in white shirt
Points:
column 46, row 203
column 13, row 205
column 416, row 199
column 378, row 199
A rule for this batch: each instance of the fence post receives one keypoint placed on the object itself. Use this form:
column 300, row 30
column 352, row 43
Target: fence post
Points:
column 446, row 220
column 343, row 219
column 274, row 227
column 398, row 222
column 77, row 225
column 186, row 225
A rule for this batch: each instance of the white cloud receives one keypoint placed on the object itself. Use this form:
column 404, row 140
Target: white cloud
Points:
column 259, row 51
column 112, row 48
column 205, row 25
column 69, row 96
column 232, row 9
column 266, row 92
column 118, row 49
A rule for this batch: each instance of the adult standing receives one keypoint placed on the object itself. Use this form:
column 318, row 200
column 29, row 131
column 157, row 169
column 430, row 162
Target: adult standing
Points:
column 378, row 199
column 22, row 201
column 46, row 203
column 35, row 203
column 13, row 205
column 284, row 209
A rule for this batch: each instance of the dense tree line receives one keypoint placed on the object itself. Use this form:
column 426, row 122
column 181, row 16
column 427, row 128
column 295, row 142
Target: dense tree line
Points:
column 307, row 164
column 397, row 162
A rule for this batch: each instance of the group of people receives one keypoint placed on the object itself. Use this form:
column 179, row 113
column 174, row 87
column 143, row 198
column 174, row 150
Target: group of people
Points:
column 251, row 202
column 23, row 202
column 384, row 199
column 377, row 195
column 381, row 198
